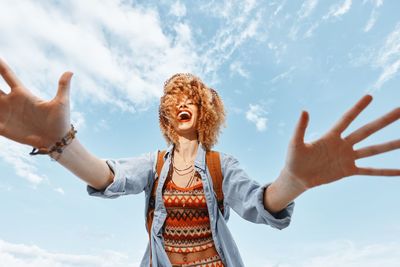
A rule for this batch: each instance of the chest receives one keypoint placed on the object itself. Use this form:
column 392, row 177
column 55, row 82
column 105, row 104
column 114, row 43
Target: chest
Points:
column 176, row 196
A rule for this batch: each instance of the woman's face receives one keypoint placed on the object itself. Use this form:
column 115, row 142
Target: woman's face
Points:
column 186, row 117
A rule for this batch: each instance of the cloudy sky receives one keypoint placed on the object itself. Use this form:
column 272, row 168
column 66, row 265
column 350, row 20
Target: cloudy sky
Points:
column 268, row 60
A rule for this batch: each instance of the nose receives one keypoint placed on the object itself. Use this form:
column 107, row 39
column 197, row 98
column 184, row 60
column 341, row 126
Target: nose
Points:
column 182, row 105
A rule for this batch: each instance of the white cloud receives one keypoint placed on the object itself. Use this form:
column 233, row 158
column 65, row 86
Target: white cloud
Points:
column 249, row 5
column 119, row 53
column 279, row 49
column 257, row 115
column 236, row 67
column 178, row 9
column 307, row 8
column 18, row 156
column 279, row 8
column 283, row 76
column 241, row 22
column 332, row 254
column 303, row 14
column 378, row 3
column 343, row 254
column 59, row 190
column 391, row 48
column 343, row 9
column 339, row 10
column 374, row 15
column 184, row 35
column 389, row 71
column 361, row 55
column 310, row 32
column 388, row 58
column 371, row 21
column 293, row 32
column 21, row 255
column 116, row 60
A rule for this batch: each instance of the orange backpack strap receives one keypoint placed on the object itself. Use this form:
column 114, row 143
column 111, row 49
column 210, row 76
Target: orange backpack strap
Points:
column 159, row 165
column 160, row 162
column 214, row 165
column 152, row 200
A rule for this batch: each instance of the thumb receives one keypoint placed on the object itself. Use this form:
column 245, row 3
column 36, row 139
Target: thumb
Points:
column 298, row 137
column 64, row 87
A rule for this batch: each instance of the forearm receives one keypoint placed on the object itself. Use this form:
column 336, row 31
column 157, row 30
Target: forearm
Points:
column 281, row 192
column 86, row 166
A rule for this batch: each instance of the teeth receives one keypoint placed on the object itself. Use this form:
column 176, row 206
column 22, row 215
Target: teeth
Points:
column 184, row 115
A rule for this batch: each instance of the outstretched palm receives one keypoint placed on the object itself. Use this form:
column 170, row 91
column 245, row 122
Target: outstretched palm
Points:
column 29, row 120
column 332, row 157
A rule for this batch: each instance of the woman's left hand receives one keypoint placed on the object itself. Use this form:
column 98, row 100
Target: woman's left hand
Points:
column 332, row 157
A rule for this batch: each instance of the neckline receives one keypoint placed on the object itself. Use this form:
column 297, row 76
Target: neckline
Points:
column 200, row 184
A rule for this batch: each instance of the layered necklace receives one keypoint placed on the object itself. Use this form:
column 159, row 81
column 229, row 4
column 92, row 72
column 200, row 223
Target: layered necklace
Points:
column 187, row 170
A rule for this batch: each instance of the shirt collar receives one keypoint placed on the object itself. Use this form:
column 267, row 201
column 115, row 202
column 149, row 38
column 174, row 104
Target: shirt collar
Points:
column 168, row 152
column 200, row 160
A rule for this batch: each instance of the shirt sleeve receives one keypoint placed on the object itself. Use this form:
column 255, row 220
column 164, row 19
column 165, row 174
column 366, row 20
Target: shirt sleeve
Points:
column 246, row 196
column 131, row 176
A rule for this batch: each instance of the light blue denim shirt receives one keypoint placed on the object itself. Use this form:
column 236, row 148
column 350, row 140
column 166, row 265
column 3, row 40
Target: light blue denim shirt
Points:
column 242, row 194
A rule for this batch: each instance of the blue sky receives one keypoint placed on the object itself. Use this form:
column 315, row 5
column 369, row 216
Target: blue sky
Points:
column 267, row 59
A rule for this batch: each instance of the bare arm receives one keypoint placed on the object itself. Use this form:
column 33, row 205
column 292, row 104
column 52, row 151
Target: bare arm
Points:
column 86, row 166
column 281, row 192
column 26, row 119
column 329, row 158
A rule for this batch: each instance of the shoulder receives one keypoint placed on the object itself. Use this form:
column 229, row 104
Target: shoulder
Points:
column 228, row 162
column 226, row 158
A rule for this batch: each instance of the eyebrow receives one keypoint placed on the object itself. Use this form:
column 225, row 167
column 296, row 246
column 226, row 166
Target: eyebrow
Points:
column 186, row 100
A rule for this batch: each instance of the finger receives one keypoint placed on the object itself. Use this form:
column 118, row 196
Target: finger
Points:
column 373, row 126
column 377, row 149
column 351, row 114
column 378, row 172
column 9, row 76
column 298, row 137
column 64, row 86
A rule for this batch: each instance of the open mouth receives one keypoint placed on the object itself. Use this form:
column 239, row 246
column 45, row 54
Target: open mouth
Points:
column 184, row 115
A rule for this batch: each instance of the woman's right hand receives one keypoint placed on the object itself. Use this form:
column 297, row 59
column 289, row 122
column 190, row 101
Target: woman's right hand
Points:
column 29, row 120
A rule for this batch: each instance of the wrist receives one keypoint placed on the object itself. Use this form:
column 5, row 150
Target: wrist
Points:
column 57, row 156
column 282, row 191
column 293, row 181
column 58, row 147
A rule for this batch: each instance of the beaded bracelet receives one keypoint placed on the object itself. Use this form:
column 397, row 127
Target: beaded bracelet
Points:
column 58, row 147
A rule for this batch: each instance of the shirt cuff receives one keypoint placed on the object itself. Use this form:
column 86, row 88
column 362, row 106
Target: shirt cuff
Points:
column 277, row 220
column 115, row 189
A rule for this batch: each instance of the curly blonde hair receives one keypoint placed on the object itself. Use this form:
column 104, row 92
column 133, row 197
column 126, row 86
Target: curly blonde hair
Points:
column 211, row 109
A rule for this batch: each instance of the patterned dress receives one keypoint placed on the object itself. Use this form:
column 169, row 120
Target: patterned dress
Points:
column 187, row 226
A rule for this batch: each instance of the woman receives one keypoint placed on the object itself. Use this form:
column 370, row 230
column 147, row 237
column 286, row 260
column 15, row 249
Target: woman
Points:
column 190, row 118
